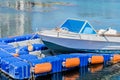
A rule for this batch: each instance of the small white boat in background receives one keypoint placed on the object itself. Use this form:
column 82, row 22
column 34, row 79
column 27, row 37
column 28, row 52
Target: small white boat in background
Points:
column 80, row 36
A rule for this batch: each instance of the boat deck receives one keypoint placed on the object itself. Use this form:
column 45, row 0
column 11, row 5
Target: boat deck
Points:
column 72, row 35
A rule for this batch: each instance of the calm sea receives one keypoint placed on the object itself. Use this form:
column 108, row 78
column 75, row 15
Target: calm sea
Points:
column 18, row 17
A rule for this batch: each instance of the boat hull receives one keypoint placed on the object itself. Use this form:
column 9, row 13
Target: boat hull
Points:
column 66, row 45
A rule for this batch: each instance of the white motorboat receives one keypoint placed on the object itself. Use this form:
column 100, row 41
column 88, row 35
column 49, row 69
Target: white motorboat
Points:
column 80, row 36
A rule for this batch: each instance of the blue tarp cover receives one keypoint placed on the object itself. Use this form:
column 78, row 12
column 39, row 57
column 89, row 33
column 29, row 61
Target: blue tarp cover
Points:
column 77, row 26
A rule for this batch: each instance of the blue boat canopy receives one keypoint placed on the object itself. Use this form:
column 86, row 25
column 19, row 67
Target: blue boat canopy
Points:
column 77, row 26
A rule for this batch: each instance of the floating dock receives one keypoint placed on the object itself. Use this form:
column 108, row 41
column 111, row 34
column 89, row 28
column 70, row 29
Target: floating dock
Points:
column 21, row 58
